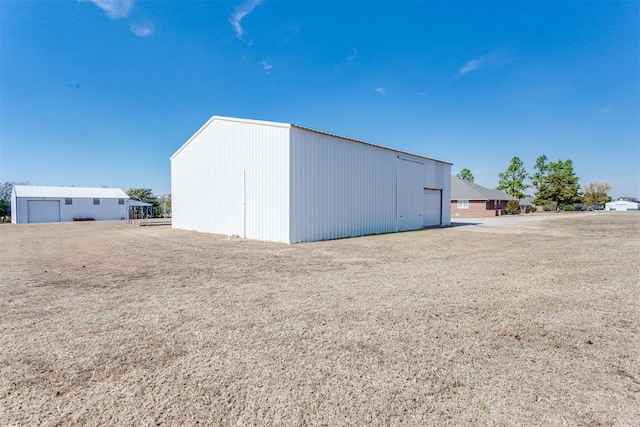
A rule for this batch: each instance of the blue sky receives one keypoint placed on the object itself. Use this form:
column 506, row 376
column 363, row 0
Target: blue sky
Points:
column 102, row 92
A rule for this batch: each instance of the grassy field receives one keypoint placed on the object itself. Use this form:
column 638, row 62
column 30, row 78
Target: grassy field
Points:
column 507, row 323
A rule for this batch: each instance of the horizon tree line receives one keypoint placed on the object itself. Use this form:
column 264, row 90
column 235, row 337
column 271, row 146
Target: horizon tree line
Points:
column 555, row 183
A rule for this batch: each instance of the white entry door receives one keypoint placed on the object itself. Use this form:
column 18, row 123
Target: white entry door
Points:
column 43, row 210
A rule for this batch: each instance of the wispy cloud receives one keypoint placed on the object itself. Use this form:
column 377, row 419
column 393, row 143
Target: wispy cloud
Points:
column 142, row 30
column 605, row 109
column 380, row 90
column 266, row 65
column 240, row 13
column 496, row 58
column 353, row 54
column 470, row 66
column 115, row 9
column 120, row 9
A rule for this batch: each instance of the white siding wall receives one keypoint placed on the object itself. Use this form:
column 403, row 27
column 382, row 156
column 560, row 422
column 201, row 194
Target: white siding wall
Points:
column 14, row 204
column 342, row 188
column 232, row 178
column 108, row 209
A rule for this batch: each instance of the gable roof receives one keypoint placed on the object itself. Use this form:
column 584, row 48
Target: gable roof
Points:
column 78, row 192
column 464, row 190
column 289, row 126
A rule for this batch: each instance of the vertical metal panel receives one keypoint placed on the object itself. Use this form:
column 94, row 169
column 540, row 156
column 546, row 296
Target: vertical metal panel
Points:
column 409, row 182
column 340, row 188
column 232, row 178
column 14, row 207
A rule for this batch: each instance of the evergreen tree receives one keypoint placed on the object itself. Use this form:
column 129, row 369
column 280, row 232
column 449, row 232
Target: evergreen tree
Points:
column 466, row 175
column 512, row 180
column 557, row 184
column 541, row 168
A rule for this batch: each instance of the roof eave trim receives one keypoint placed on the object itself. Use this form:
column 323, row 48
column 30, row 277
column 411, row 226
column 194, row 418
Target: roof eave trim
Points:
column 370, row 144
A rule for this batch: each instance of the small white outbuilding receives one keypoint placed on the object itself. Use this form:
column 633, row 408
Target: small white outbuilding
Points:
column 621, row 206
column 286, row 183
column 32, row 204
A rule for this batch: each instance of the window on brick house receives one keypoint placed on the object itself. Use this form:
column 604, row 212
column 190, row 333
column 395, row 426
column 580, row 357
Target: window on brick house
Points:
column 463, row 204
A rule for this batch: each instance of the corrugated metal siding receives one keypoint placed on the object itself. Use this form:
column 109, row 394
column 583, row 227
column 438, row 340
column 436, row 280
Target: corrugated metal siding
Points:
column 341, row 188
column 410, row 207
column 232, row 179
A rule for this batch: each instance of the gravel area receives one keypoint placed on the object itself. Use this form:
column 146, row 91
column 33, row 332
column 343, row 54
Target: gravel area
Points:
column 532, row 320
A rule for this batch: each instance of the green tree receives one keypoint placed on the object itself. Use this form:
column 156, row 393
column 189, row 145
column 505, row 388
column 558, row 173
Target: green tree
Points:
column 512, row 180
column 142, row 194
column 5, row 198
column 5, row 210
column 557, row 184
column 5, row 190
column 466, row 175
column 513, row 207
column 541, row 169
column 596, row 193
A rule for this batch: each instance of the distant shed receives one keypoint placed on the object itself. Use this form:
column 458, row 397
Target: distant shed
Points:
column 286, row 183
column 621, row 206
column 33, row 204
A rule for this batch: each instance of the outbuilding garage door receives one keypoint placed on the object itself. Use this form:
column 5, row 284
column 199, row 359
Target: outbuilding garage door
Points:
column 43, row 210
column 432, row 207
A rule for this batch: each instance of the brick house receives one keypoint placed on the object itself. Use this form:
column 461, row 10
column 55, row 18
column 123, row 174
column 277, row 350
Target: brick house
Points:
column 473, row 200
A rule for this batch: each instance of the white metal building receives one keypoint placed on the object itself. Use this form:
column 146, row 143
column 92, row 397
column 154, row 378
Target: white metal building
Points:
column 31, row 204
column 286, row 183
column 621, row 206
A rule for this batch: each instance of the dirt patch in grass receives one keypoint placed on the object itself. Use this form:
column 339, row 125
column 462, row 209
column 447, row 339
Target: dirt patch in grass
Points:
column 514, row 323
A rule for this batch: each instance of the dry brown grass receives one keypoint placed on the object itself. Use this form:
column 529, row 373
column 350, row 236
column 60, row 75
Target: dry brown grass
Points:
column 523, row 323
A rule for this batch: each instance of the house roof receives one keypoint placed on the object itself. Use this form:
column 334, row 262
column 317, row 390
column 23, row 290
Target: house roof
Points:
column 290, row 125
column 526, row 201
column 464, row 190
column 77, row 192
column 133, row 202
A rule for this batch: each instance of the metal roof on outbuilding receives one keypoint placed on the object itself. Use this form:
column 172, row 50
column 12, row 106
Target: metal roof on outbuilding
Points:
column 464, row 190
column 290, row 125
column 77, row 192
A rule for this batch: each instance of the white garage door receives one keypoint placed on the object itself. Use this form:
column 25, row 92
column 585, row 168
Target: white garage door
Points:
column 432, row 208
column 43, row 210
column 621, row 207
